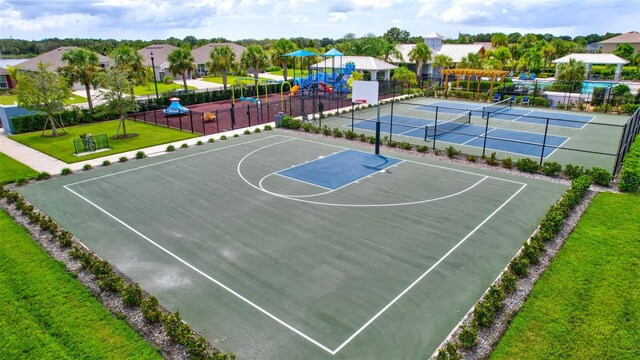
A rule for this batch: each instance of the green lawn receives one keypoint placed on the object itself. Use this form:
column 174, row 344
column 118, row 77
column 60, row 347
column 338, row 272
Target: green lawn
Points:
column 47, row 314
column 12, row 170
column 11, row 99
column 290, row 72
column 150, row 89
column 587, row 304
column 62, row 147
column 246, row 80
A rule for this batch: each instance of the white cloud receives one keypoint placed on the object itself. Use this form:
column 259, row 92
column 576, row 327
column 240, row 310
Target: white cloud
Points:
column 337, row 16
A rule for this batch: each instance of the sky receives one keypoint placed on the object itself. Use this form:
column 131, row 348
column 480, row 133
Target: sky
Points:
column 259, row 19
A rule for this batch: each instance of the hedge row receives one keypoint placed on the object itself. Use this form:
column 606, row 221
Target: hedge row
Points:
column 73, row 116
column 108, row 280
column 486, row 310
column 630, row 174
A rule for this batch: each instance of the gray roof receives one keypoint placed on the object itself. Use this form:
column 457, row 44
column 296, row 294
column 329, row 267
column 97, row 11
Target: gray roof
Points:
column 607, row 59
column 201, row 54
column 366, row 63
column 160, row 52
column 54, row 58
column 454, row 51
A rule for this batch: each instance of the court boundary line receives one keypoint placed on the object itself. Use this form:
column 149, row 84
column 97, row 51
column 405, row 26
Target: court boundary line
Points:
column 558, row 147
column 302, row 181
column 255, row 306
column 478, row 136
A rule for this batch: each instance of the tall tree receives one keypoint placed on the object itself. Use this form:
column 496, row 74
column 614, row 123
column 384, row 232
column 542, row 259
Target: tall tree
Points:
column 498, row 40
column 388, row 49
column 471, row 61
column 573, row 71
column 44, row 91
column 181, row 62
column 130, row 61
column 255, row 57
column 503, row 55
column 279, row 48
column 82, row 66
column 115, row 93
column 405, row 76
column 548, row 51
column 533, row 59
column 223, row 59
column 420, row 54
column 397, row 36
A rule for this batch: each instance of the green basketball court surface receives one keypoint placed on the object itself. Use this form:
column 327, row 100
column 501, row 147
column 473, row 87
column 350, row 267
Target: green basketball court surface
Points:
column 271, row 254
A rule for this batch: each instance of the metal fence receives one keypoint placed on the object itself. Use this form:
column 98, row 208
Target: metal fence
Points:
column 629, row 133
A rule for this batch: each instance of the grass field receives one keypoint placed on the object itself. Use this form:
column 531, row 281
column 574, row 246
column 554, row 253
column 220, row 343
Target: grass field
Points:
column 290, row 72
column 11, row 99
column 47, row 314
column 62, row 147
column 232, row 79
column 150, row 89
column 12, row 170
column 587, row 304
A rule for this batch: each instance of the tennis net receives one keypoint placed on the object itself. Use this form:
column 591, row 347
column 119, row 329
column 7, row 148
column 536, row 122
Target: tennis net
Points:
column 444, row 127
column 500, row 106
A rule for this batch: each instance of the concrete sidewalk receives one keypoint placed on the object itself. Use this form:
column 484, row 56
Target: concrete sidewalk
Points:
column 33, row 158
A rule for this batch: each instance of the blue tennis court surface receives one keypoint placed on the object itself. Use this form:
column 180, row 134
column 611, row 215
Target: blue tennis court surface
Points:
column 511, row 114
column 513, row 141
column 339, row 169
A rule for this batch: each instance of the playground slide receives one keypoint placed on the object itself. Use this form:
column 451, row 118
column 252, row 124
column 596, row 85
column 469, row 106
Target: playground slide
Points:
column 295, row 89
column 327, row 89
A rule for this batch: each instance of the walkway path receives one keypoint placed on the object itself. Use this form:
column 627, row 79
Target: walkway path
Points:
column 33, row 158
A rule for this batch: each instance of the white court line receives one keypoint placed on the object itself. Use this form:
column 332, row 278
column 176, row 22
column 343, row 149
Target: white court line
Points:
column 557, row 147
column 519, row 117
column 426, row 272
column 479, row 136
column 303, row 335
column 300, row 181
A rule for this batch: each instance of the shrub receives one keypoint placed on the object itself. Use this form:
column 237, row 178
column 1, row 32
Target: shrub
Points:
column 171, row 148
column 362, row 137
column 267, row 127
column 140, row 155
column 350, row 135
column 468, row 336
column 437, row 152
column 123, row 159
column 64, row 239
column 405, row 145
column 211, row 140
column 519, row 266
column 110, row 282
column 106, row 163
column 247, row 132
column 531, row 252
column 492, row 160
column 599, row 176
column 223, row 137
column 132, row 294
column 630, row 174
column 151, row 309
column 507, row 163
column 449, row 352
column 326, row 131
column 392, row 144
column 176, row 329
column 527, row 165
column 483, row 313
column 372, row 140
column 336, row 133
column 573, row 171
column 289, row 122
column 422, row 148
column 551, row 168
column 66, row 171
column 87, row 167
column 199, row 143
column 471, row 158
column 508, row 282
column 452, row 152
column 22, row 181
column 235, row 135
column 184, row 146
column 167, row 79
column 257, row 131
column 43, row 176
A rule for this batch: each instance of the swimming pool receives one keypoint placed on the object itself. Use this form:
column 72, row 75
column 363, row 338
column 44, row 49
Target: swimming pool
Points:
column 587, row 86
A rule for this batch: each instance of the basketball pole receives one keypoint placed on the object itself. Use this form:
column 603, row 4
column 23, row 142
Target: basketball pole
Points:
column 378, row 130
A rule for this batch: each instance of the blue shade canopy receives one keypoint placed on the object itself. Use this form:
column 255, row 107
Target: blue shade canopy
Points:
column 301, row 53
column 333, row 52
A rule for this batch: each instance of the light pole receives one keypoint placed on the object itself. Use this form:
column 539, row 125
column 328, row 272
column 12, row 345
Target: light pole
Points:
column 153, row 68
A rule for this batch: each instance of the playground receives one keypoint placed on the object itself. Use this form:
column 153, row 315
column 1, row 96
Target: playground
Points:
column 279, row 246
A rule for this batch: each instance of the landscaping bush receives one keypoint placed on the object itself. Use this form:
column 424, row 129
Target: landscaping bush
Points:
column 449, row 352
column 140, row 155
column 492, row 160
column 199, row 143
column 392, row 144
column 405, row 145
column 171, row 148
column 106, row 163
column 132, row 295
column 184, row 146
column 66, row 171
column 452, row 152
column 468, row 336
column 471, row 158
column 43, row 176
column 508, row 282
column 22, row 181
column 326, row 131
column 235, row 135
column 599, row 176
column 267, row 127
column 87, row 167
column 337, row 133
column 74, row 116
column 483, row 313
column 289, row 122
column 151, row 309
column 123, row 159
column 167, row 79
column 350, row 135
column 527, row 165
column 573, row 171
column 223, row 137
column 551, row 168
column 630, row 173
column 519, row 266
column 257, row 131
column 507, row 163
column 422, row 148
column 247, row 132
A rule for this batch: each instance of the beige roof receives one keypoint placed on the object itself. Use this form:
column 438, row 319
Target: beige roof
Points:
column 454, row 51
column 486, row 45
column 201, row 54
column 607, row 59
column 366, row 63
column 160, row 52
column 3, row 71
column 432, row 35
column 632, row 37
column 53, row 57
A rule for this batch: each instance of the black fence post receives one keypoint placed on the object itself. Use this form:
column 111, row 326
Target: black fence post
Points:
column 486, row 133
column 435, row 129
column 353, row 105
column 544, row 141
column 191, row 120
column 218, row 120
column 179, row 119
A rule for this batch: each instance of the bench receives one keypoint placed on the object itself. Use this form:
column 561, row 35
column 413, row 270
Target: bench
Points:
column 209, row 116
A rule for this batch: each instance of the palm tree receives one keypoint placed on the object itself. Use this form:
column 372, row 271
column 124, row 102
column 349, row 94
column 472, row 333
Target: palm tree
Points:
column 533, row 59
column 279, row 48
column 388, row 49
column 498, row 40
column 420, row 54
column 130, row 62
column 405, row 76
column 255, row 57
column 223, row 59
column 471, row 61
column 180, row 63
column 443, row 61
column 503, row 55
column 548, row 51
column 83, row 66
column 573, row 71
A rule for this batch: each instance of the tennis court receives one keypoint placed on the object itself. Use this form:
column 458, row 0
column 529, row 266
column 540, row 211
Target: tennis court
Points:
column 280, row 246
column 460, row 131
column 507, row 113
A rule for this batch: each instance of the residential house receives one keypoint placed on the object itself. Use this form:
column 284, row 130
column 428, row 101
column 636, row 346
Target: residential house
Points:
column 5, row 79
column 632, row 38
column 201, row 55
column 160, row 63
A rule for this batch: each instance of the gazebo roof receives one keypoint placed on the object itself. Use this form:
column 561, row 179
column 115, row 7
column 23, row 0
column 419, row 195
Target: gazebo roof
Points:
column 301, row 53
column 607, row 59
column 366, row 63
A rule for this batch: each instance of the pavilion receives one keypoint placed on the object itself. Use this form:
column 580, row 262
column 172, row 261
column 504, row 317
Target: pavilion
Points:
column 478, row 73
column 590, row 59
